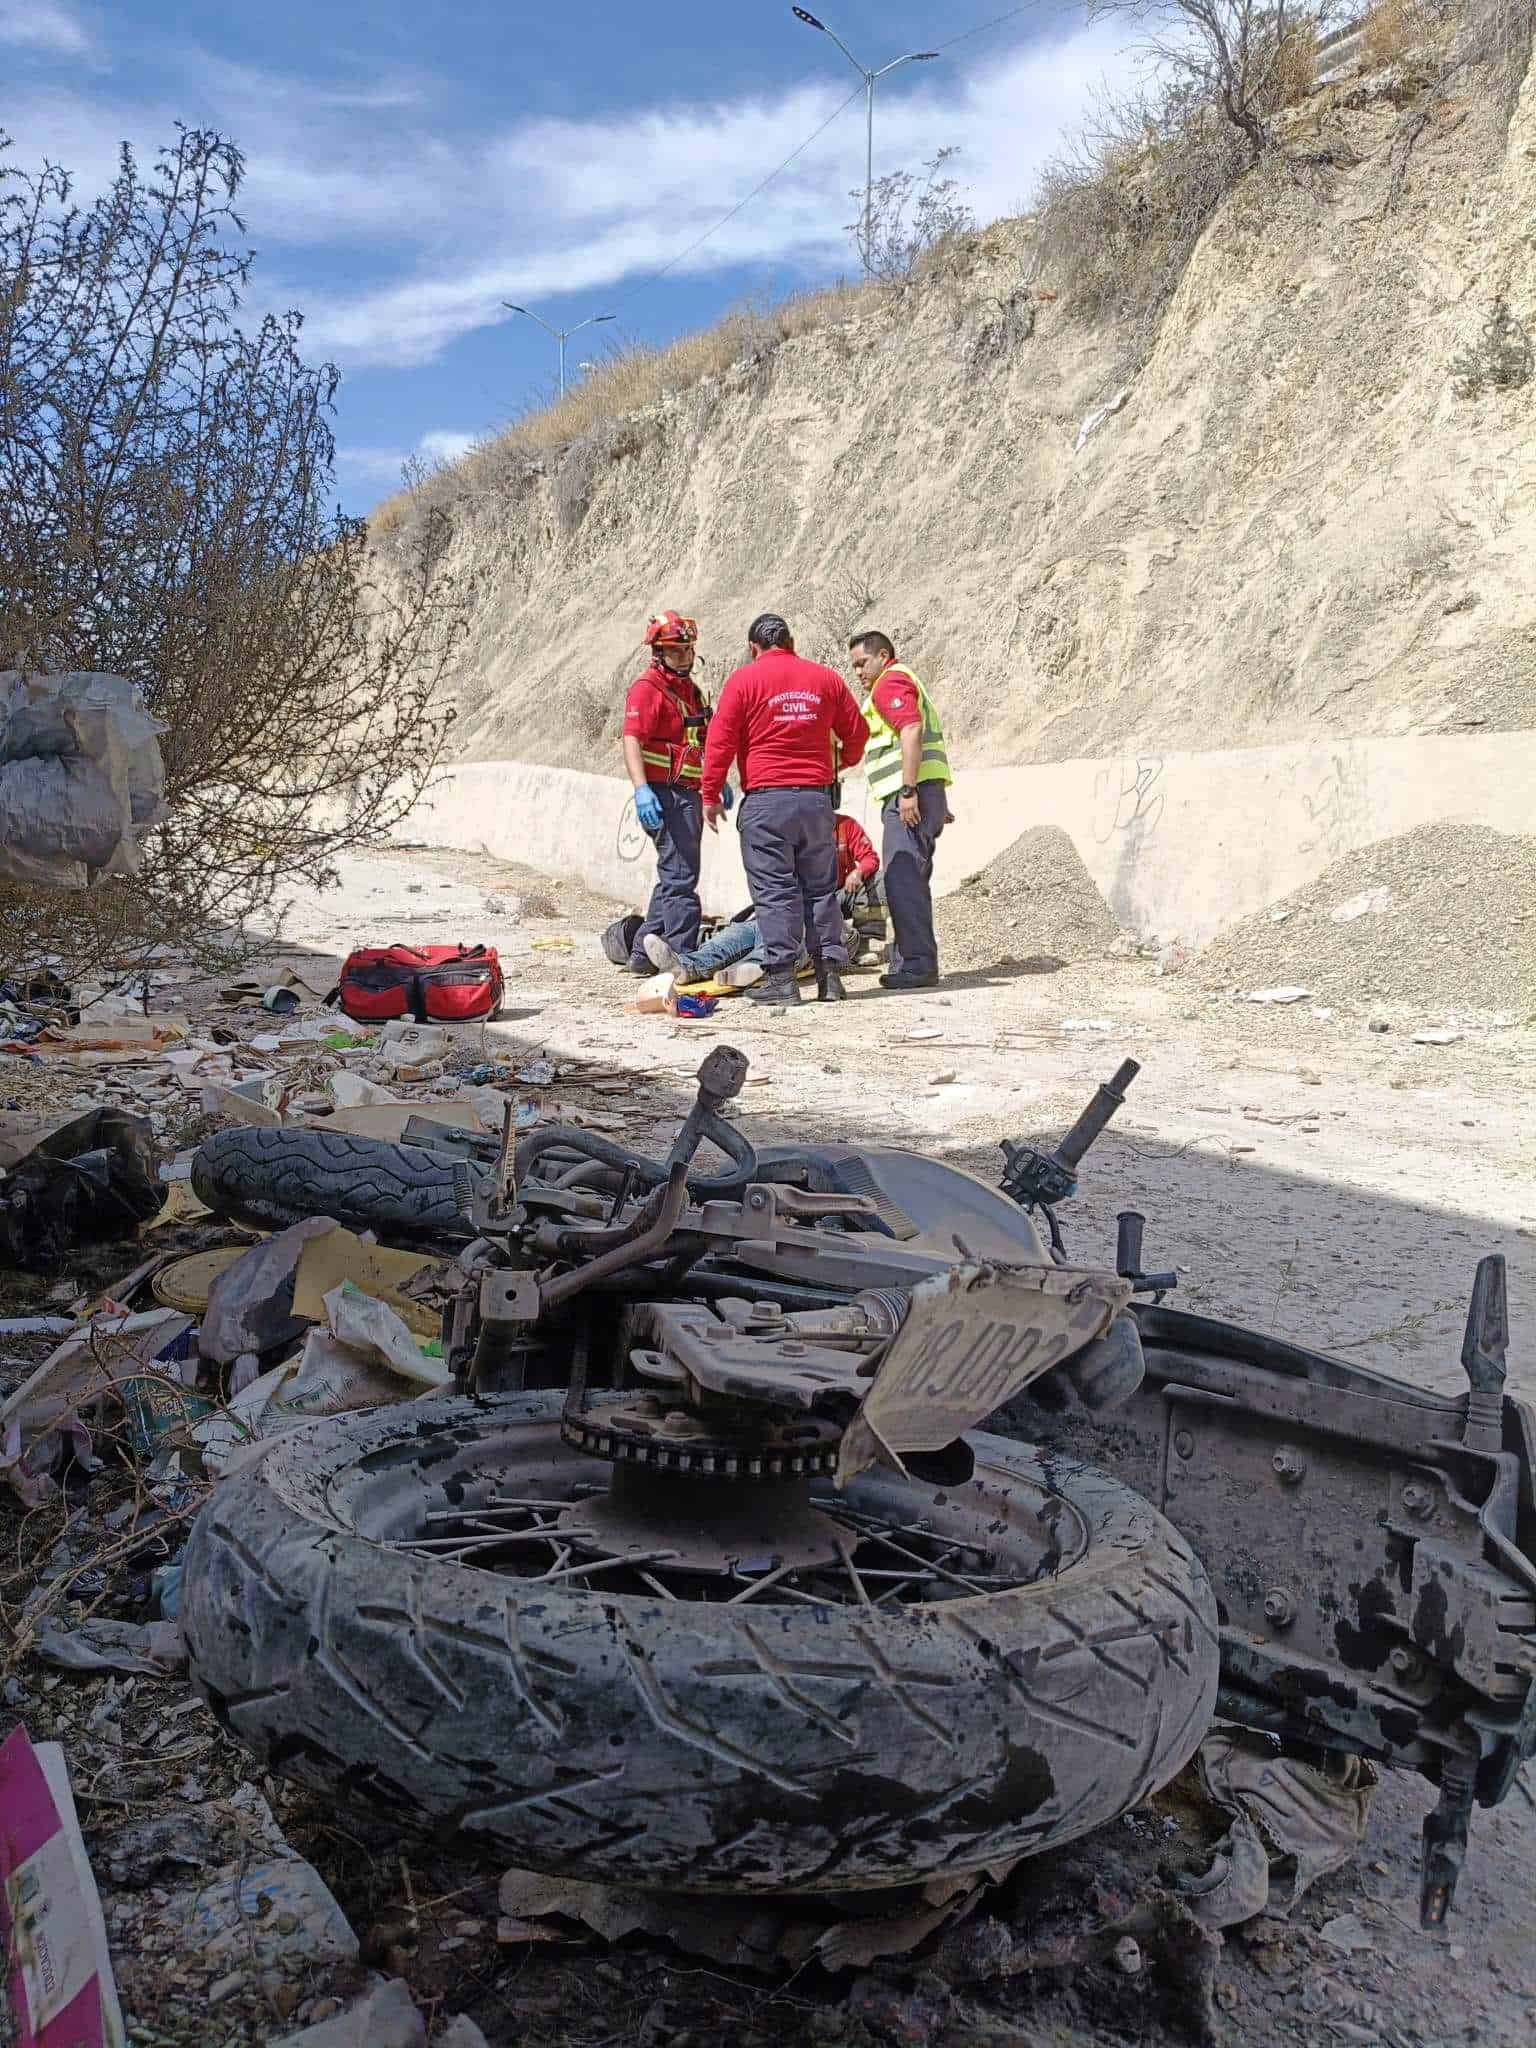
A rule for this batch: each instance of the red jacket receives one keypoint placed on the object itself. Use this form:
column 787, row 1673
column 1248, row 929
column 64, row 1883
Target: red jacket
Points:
column 779, row 718
column 655, row 710
column 854, row 851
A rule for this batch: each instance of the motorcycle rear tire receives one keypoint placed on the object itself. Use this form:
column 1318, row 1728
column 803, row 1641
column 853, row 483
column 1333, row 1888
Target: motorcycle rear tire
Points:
column 270, row 1178
column 761, row 1745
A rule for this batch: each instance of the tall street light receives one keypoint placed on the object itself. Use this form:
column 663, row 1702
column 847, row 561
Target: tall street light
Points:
column 869, row 77
column 561, row 334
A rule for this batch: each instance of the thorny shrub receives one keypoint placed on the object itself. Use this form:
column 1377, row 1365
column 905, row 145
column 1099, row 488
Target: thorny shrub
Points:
column 166, row 485
column 1501, row 359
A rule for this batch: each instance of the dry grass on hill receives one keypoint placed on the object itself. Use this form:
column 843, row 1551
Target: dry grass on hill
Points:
column 636, row 376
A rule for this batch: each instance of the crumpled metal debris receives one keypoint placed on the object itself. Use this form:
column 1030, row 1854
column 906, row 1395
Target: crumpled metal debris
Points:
column 1292, row 1823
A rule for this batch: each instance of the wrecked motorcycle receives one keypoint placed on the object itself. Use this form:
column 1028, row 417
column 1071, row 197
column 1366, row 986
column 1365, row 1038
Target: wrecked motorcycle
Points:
column 705, row 1578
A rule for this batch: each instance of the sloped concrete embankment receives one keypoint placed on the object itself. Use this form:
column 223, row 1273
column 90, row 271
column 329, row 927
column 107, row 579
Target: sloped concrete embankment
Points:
column 1180, row 844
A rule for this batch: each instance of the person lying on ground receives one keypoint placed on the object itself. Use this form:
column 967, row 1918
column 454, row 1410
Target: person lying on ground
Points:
column 858, row 866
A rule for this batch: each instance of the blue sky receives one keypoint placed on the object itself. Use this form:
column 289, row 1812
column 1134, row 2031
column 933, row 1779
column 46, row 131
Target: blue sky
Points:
column 409, row 167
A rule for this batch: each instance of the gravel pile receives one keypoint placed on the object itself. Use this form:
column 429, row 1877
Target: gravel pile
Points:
column 1035, row 901
column 1443, row 917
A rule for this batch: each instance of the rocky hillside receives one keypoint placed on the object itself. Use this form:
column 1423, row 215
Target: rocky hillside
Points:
column 1299, row 518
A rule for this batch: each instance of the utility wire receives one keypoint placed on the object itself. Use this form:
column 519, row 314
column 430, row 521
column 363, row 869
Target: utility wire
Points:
column 651, row 276
column 997, row 21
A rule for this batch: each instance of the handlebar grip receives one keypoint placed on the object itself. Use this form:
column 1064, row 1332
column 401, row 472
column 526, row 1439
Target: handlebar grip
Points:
column 1107, row 1099
column 1129, row 1225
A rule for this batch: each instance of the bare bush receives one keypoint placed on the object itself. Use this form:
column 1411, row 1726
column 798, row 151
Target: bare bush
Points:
column 911, row 219
column 1245, row 58
column 1122, row 207
column 166, row 483
column 836, row 607
column 1501, row 359
column 1392, row 28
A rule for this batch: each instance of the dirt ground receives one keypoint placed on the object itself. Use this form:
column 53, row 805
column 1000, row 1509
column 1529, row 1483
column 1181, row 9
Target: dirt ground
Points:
column 1304, row 1174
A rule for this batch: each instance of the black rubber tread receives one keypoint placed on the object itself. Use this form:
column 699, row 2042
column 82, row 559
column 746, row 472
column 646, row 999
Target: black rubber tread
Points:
column 272, row 1177
column 687, row 1746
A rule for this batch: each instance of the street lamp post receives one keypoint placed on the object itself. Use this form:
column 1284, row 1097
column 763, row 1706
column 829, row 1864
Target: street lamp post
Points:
column 562, row 334
column 869, row 77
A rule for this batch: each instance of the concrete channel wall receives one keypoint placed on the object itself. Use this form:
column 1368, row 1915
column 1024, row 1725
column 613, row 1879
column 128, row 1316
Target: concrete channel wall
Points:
column 1180, row 844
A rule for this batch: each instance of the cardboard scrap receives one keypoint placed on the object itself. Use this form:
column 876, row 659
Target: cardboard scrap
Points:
column 743, row 1933
column 94, row 1360
column 388, row 1120
column 337, row 1255
column 62, row 1994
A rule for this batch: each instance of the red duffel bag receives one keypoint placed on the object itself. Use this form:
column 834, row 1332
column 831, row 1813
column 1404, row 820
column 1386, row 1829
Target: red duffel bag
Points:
column 432, row 984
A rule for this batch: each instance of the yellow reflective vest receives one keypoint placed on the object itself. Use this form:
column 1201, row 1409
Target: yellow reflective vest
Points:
column 882, row 752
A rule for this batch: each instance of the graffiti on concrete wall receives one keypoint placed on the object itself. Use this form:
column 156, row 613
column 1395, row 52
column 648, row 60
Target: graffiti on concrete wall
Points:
column 1126, row 797
column 1337, row 810
column 632, row 839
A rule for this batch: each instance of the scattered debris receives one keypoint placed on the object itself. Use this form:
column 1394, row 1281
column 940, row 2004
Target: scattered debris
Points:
column 1440, row 1037
column 387, row 2018
column 62, row 1992
column 70, row 1180
column 1289, row 994
column 149, row 1649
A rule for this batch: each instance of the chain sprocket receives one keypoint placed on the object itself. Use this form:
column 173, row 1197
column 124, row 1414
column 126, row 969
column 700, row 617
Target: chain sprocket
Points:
column 661, row 1435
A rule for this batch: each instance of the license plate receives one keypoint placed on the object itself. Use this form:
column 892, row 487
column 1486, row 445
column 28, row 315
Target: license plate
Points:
column 972, row 1339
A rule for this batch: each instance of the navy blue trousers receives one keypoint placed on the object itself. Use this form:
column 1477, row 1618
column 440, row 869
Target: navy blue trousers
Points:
column 790, row 855
column 906, row 868
column 674, row 909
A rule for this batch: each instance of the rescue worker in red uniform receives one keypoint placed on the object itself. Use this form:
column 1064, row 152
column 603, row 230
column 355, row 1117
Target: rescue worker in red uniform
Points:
column 665, row 715
column 781, row 718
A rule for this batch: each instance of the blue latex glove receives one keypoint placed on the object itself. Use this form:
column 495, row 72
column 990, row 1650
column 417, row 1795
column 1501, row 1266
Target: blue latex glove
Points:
column 727, row 796
column 648, row 810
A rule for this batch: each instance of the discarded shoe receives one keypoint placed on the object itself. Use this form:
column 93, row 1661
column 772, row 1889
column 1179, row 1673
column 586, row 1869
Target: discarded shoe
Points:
column 909, row 977
column 775, row 989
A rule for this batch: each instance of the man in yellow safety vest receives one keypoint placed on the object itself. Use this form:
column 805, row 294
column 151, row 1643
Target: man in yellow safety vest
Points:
column 907, row 771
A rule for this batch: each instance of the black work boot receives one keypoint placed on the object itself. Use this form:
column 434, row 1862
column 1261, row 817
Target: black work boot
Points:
column 775, row 989
column 829, row 986
column 909, row 977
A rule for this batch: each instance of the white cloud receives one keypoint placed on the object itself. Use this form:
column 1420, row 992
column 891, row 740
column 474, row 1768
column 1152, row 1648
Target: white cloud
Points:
column 440, row 444
column 589, row 206
column 443, row 445
column 42, row 25
column 441, row 226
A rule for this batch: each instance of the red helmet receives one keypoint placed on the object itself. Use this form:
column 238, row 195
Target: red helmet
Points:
column 670, row 629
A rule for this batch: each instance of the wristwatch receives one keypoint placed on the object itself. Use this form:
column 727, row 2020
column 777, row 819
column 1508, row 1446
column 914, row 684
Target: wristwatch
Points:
column 907, row 789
